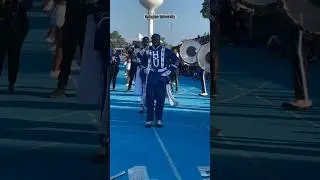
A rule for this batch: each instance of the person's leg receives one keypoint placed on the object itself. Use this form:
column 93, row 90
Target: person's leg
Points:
column 114, row 81
column 160, row 96
column 203, row 84
column 13, row 64
column 69, row 45
column 3, row 53
column 150, row 96
column 58, row 54
column 299, row 72
column 171, row 77
column 143, row 97
column 176, row 79
column 111, row 74
column 81, row 35
column 131, row 76
column 49, row 36
column 14, row 50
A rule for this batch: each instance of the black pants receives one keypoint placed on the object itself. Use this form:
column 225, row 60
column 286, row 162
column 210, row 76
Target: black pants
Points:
column 158, row 94
column 298, row 63
column 10, row 45
column 174, row 78
column 132, row 73
column 113, row 75
column 72, row 35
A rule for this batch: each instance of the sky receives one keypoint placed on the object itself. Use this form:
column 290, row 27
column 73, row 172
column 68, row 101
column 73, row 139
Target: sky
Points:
column 127, row 17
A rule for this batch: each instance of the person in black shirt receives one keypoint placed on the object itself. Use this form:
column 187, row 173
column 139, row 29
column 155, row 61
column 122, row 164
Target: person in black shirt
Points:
column 133, row 67
column 115, row 62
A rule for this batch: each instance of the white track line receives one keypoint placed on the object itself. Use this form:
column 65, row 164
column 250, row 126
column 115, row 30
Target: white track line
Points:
column 168, row 157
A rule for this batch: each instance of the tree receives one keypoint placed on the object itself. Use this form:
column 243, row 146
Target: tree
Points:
column 117, row 40
column 205, row 34
column 205, row 11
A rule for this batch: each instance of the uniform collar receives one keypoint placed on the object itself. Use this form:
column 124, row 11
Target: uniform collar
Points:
column 155, row 48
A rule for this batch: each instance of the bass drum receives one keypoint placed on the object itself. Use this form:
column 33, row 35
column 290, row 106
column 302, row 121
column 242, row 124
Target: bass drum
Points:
column 189, row 50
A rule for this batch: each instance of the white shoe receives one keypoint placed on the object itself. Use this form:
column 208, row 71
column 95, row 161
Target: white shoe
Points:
column 148, row 124
column 159, row 123
column 203, row 94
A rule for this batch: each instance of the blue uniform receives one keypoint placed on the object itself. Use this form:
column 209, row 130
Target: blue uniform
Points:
column 115, row 62
column 142, row 65
column 159, row 62
column 141, row 88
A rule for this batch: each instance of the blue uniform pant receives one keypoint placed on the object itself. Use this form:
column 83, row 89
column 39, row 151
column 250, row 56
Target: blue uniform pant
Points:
column 158, row 94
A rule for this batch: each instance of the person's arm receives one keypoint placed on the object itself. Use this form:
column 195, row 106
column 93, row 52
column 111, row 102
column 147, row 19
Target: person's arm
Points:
column 144, row 61
column 174, row 62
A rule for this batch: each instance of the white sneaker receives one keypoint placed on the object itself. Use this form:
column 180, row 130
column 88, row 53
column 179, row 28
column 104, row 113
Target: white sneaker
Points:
column 148, row 124
column 203, row 94
column 159, row 123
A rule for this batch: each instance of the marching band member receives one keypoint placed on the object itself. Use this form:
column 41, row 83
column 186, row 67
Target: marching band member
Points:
column 174, row 75
column 140, row 86
column 128, row 65
column 157, row 61
column 133, row 68
column 115, row 62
